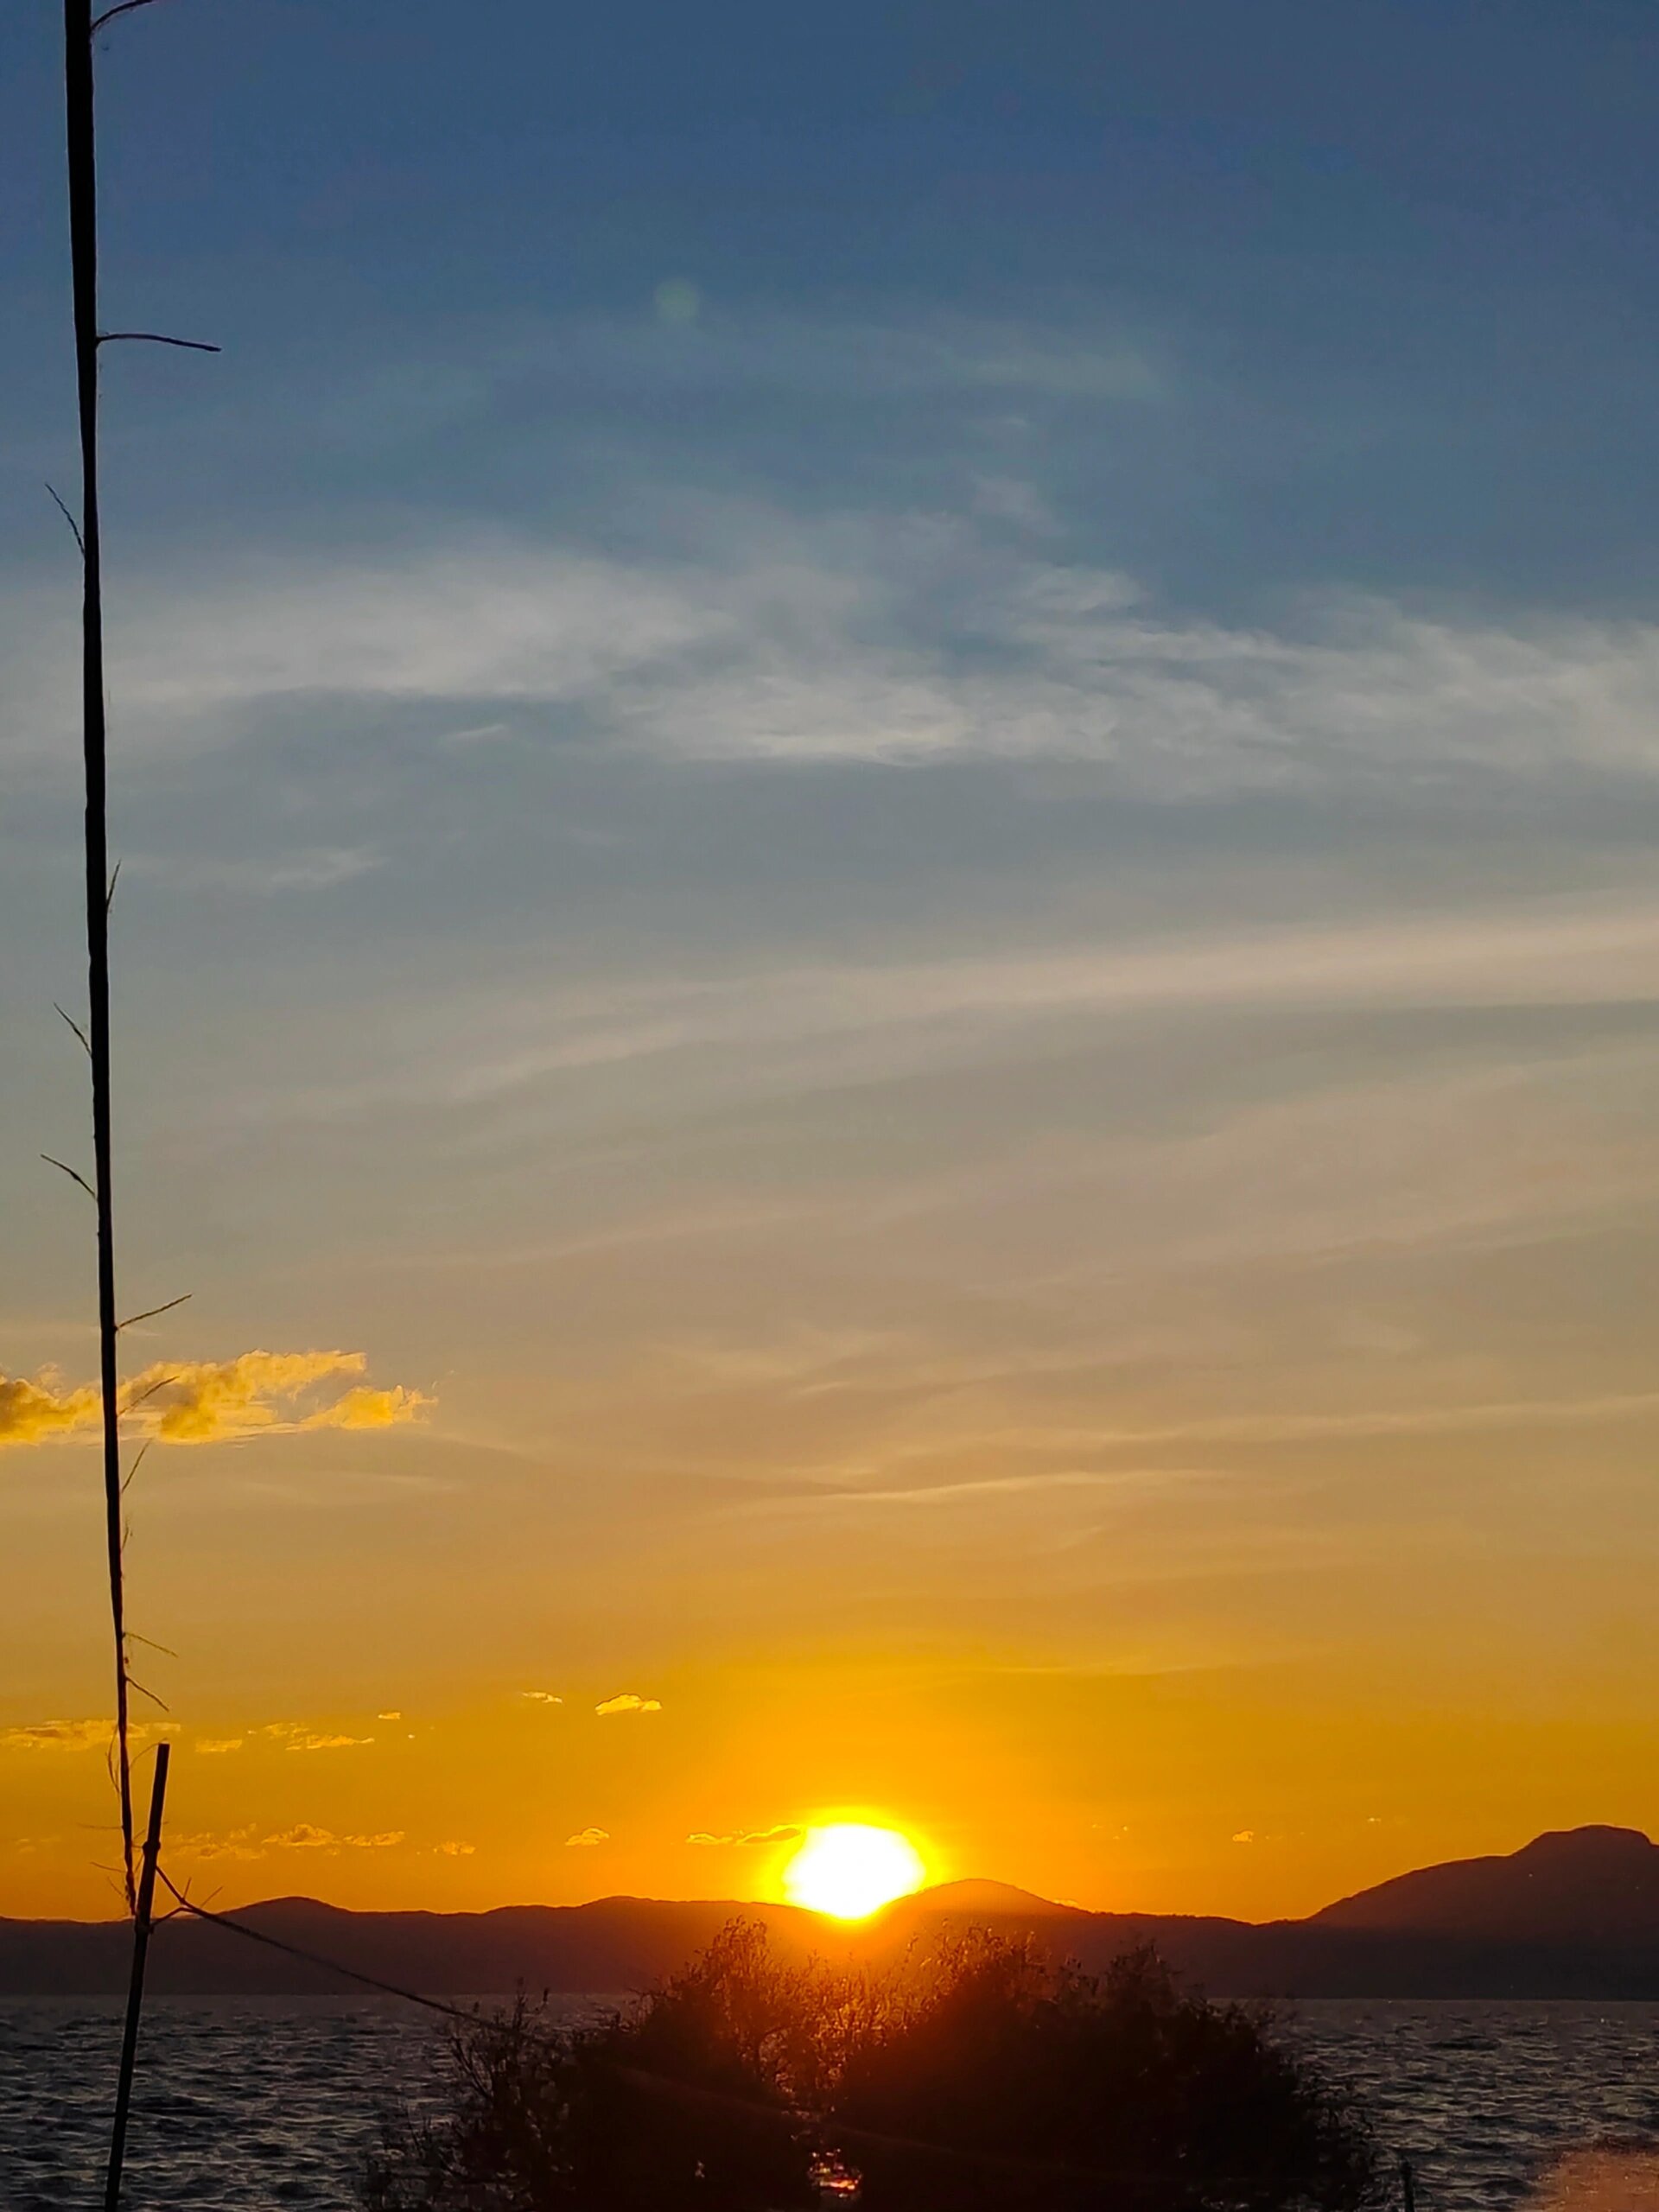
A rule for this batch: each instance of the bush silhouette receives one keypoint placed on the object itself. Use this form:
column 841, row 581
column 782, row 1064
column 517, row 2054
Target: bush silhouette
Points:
column 980, row 2078
column 1049, row 2087
column 679, row 2103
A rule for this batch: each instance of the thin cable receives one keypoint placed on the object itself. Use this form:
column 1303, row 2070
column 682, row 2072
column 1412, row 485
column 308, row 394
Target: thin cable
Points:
column 665, row 2084
column 313, row 1958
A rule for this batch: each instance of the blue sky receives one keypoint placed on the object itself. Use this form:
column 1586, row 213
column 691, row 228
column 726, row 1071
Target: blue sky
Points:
column 864, row 753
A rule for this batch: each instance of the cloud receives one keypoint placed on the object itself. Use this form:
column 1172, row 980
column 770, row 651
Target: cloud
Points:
column 313, row 868
column 302, row 1836
column 785, row 1834
column 298, row 1736
column 238, row 1844
column 202, row 1402
column 861, row 1018
column 902, row 639
column 30, row 1412
column 190, row 1402
column 216, row 1746
column 382, row 1842
column 59, row 1735
column 393, row 1715
column 454, row 1849
column 1245, row 1835
column 585, row 1838
column 367, row 1408
column 541, row 1697
column 626, row 1703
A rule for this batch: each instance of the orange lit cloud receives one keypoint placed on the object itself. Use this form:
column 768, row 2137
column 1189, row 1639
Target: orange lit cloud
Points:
column 216, row 1746
column 31, row 1411
column 59, row 1735
column 238, row 1844
column 457, row 1850
column 785, row 1834
column 260, row 1393
column 305, row 1836
column 299, row 1736
column 586, row 1837
column 212, row 1401
column 302, row 1836
column 627, row 1703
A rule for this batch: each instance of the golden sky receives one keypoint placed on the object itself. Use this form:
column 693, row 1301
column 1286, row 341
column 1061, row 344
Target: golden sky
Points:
column 886, row 959
column 1167, row 1516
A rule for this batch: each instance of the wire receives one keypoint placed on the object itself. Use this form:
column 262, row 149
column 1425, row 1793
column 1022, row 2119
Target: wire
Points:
column 313, row 1958
column 665, row 2084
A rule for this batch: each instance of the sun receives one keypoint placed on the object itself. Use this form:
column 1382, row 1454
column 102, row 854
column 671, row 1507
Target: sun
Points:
column 848, row 1870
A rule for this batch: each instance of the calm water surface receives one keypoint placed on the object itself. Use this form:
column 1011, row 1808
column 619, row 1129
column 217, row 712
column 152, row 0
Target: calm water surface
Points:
column 257, row 2105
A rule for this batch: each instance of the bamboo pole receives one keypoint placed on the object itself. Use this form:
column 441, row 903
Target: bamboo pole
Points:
column 81, row 144
column 142, row 1923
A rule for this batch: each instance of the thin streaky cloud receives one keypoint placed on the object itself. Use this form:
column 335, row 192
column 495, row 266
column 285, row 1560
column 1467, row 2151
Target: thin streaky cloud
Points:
column 949, row 1493
column 897, row 640
column 1289, row 1426
column 1581, row 951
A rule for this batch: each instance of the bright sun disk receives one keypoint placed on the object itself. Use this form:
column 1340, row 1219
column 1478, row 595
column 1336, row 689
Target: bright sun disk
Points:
column 849, row 1870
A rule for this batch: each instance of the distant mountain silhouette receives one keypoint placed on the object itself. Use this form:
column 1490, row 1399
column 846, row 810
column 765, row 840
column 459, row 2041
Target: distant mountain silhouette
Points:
column 982, row 1900
column 1595, row 1883
column 1572, row 1915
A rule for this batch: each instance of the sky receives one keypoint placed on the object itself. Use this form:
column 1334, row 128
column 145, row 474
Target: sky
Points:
column 887, row 947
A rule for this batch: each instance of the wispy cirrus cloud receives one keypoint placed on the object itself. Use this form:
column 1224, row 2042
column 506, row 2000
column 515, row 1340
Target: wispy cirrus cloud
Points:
column 311, row 867
column 883, row 638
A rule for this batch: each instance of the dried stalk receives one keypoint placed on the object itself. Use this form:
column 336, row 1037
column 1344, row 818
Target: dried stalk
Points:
column 83, row 258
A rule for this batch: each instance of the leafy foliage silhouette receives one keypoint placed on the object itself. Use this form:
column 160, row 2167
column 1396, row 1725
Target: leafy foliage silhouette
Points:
column 1056, row 2088
column 680, row 2103
column 981, row 2077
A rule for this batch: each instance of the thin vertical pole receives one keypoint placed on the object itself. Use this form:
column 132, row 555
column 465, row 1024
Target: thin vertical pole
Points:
column 83, row 256
column 141, row 1927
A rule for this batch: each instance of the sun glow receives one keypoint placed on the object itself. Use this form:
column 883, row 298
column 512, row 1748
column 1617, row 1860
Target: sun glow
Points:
column 848, row 1870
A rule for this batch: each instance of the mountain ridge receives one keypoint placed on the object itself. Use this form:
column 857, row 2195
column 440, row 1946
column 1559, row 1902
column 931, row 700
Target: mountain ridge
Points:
column 1573, row 1913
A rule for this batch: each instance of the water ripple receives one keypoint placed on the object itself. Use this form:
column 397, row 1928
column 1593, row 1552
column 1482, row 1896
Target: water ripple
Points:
column 264, row 2105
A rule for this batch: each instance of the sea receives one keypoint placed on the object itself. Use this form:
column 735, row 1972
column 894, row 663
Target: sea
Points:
column 270, row 2104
